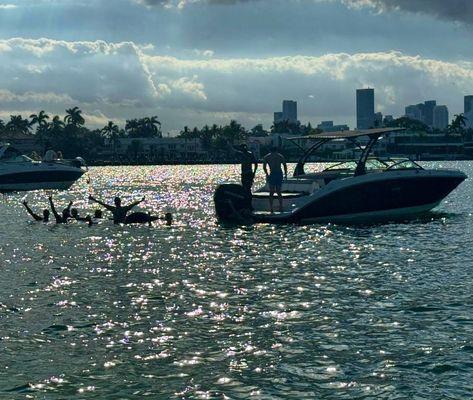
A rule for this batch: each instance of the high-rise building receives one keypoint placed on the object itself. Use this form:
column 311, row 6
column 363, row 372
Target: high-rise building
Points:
column 365, row 108
column 328, row 126
column 414, row 112
column 378, row 120
column 278, row 117
column 429, row 112
column 289, row 111
column 440, row 117
column 468, row 104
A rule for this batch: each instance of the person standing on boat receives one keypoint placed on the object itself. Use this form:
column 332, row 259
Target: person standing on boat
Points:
column 249, row 165
column 275, row 176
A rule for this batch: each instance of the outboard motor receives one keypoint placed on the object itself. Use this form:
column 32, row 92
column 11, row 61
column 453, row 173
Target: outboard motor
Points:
column 232, row 203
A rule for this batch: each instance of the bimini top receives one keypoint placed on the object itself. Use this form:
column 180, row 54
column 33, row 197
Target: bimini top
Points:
column 349, row 134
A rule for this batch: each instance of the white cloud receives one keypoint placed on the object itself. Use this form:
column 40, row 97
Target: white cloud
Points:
column 123, row 80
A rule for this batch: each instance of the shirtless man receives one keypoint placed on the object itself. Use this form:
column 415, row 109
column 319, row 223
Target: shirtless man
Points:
column 275, row 175
column 119, row 212
column 44, row 218
column 65, row 215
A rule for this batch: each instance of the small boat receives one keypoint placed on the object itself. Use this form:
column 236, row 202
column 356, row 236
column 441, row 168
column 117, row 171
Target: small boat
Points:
column 365, row 190
column 20, row 173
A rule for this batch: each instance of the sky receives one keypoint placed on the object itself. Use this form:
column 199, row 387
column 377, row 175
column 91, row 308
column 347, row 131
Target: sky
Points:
column 196, row 62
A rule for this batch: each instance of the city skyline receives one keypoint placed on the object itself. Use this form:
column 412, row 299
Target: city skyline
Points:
column 193, row 64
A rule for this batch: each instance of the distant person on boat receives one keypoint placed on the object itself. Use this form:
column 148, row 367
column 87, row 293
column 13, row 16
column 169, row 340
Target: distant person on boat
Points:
column 119, row 212
column 44, row 218
column 59, row 155
column 35, row 156
column 249, row 165
column 64, row 216
column 146, row 218
column 50, row 156
column 275, row 176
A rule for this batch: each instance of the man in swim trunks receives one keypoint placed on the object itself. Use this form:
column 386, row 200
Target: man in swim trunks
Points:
column 119, row 212
column 275, row 175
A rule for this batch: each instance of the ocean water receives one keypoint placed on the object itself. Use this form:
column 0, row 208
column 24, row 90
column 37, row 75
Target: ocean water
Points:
column 200, row 311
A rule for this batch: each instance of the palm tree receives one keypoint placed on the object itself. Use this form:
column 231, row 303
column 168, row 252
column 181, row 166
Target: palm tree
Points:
column 132, row 127
column 458, row 124
column 56, row 123
column 41, row 118
column 110, row 130
column 74, row 117
column 2, row 126
column 18, row 124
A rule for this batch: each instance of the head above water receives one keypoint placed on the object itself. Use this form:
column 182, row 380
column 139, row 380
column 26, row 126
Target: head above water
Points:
column 98, row 214
column 117, row 201
column 168, row 218
column 46, row 214
column 74, row 212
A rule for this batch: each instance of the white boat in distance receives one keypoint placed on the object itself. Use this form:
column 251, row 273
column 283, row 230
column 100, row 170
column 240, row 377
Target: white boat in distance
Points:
column 20, row 173
column 355, row 191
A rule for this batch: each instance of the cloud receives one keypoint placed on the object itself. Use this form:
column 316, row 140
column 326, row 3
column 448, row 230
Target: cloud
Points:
column 455, row 10
column 124, row 80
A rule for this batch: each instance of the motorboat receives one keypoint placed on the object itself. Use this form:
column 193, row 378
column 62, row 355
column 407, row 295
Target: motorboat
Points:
column 20, row 173
column 367, row 189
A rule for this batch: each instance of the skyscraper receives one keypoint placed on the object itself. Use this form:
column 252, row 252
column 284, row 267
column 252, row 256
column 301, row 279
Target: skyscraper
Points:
column 440, row 117
column 429, row 112
column 289, row 111
column 468, row 112
column 278, row 117
column 468, row 104
column 365, row 108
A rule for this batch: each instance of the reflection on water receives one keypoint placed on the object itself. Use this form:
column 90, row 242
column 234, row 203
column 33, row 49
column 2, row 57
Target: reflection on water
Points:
column 202, row 311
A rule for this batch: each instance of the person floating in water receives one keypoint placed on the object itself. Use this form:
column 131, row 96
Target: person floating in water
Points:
column 75, row 215
column 119, row 212
column 65, row 215
column 145, row 218
column 248, row 161
column 44, row 218
column 275, row 175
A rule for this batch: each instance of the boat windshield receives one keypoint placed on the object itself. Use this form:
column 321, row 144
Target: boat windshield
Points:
column 371, row 164
column 397, row 164
column 376, row 164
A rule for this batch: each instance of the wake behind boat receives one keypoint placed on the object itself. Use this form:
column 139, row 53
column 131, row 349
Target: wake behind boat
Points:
column 20, row 173
column 363, row 190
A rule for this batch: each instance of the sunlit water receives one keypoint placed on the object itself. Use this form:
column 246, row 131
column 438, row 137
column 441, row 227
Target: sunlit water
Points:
column 202, row 311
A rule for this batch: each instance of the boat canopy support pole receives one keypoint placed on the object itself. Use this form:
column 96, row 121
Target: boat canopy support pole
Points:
column 299, row 170
column 361, row 165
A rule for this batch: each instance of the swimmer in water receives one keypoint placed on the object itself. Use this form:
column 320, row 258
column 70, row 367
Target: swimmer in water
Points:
column 75, row 215
column 98, row 214
column 44, row 218
column 65, row 215
column 119, row 212
column 145, row 218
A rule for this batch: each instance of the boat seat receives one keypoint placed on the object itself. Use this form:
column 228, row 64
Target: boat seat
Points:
column 285, row 195
column 292, row 186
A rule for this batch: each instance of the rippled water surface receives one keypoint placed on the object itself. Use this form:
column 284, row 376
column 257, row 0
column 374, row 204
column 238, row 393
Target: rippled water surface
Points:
column 202, row 311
